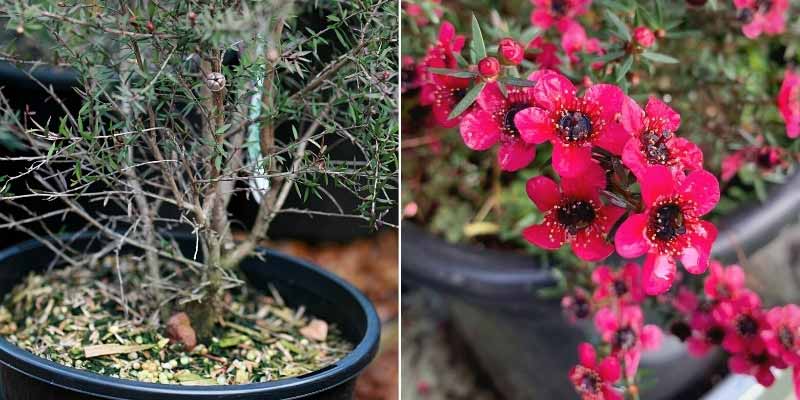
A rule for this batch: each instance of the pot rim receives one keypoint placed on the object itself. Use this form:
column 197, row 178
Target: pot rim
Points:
column 90, row 383
column 504, row 277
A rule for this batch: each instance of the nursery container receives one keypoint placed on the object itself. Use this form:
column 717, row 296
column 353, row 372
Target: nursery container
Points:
column 525, row 343
column 24, row 376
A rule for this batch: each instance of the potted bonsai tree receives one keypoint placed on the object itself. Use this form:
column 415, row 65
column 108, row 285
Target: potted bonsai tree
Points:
column 514, row 99
column 182, row 103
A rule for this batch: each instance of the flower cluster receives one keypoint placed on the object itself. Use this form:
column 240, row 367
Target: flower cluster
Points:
column 616, row 307
column 617, row 178
column 728, row 315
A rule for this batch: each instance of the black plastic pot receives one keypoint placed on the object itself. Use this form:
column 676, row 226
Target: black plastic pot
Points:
column 523, row 341
column 24, row 376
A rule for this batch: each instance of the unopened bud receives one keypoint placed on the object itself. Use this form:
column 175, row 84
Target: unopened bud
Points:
column 151, row 27
column 215, row 81
column 272, row 55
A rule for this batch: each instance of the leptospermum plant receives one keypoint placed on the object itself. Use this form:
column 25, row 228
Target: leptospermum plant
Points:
column 624, row 180
column 183, row 108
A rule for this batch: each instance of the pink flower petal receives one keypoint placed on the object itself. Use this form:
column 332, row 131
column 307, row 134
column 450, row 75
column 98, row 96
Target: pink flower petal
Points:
column 651, row 337
column 765, row 377
column 630, row 238
column 657, row 182
column 632, row 116
column 633, row 158
column 587, row 185
column 609, row 393
column 554, row 90
column 695, row 258
column 571, row 161
column 541, row 18
column 739, row 364
column 690, row 155
column 545, row 237
column 702, row 188
column 610, row 370
column 697, row 347
column 606, row 321
column 664, row 116
column 587, row 355
column 534, row 125
column 602, row 275
column 544, row 192
column 478, row 130
column 658, row 273
column 613, row 138
column 610, row 215
column 515, row 154
column 733, row 344
column 491, row 98
column 609, row 99
column 591, row 246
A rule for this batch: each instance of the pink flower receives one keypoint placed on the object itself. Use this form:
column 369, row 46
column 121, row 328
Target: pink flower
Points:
column 624, row 329
column 573, row 214
column 441, row 91
column 766, row 158
column 653, row 140
column 573, row 124
column 706, row 333
column 417, row 12
column 593, row 380
column 510, row 51
column 546, row 54
column 492, row 121
column 489, row 68
column 643, row 36
column 574, row 40
column 624, row 284
column 789, row 102
column 743, row 320
column 724, row 283
column 577, row 306
column 755, row 360
column 759, row 16
column 670, row 226
column 781, row 333
column 547, row 13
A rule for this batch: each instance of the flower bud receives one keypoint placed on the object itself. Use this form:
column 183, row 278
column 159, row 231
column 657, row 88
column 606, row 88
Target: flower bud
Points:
column 644, row 36
column 489, row 68
column 151, row 27
column 215, row 81
column 510, row 51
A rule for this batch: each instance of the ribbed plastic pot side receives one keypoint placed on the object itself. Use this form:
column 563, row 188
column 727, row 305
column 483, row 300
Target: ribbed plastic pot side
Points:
column 24, row 376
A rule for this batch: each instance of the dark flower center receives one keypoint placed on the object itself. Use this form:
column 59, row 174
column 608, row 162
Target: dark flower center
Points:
column 787, row 337
column 508, row 118
column 559, row 7
column 574, row 126
column 745, row 15
column 667, row 222
column 624, row 338
column 589, row 383
column 715, row 335
column 681, row 330
column 620, row 287
column 759, row 359
column 581, row 308
column 458, row 93
column 747, row 326
column 654, row 147
column 576, row 215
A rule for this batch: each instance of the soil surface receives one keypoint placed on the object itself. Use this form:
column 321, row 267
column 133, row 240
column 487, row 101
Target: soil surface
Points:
column 371, row 265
